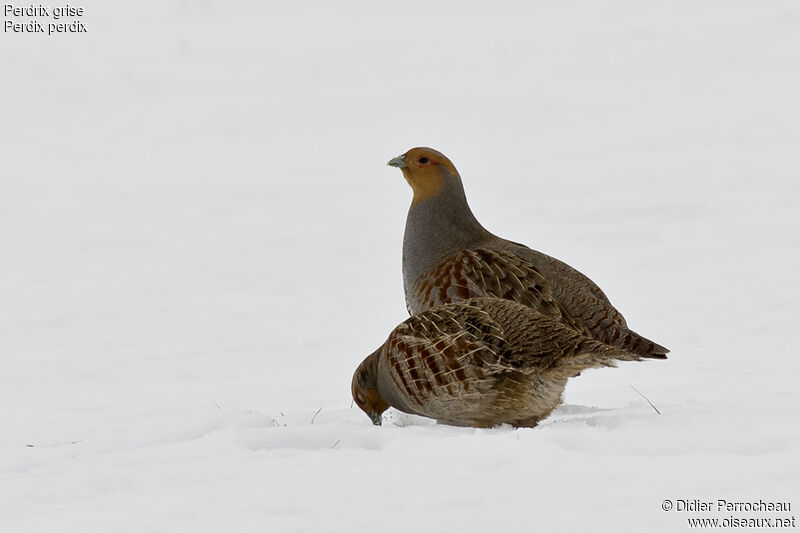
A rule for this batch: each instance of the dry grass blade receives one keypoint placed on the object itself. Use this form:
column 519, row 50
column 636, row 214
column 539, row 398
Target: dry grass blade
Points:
column 646, row 399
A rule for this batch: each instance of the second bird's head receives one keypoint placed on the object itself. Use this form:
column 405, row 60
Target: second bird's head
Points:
column 365, row 389
column 425, row 170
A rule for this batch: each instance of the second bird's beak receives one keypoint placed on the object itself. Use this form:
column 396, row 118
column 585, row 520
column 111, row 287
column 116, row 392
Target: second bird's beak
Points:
column 399, row 162
column 376, row 418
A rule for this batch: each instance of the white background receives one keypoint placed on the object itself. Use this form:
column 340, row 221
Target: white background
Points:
column 200, row 241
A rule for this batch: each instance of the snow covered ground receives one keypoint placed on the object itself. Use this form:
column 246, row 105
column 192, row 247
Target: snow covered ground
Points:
column 200, row 241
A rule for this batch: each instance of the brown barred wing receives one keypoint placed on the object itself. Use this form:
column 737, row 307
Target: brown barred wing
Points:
column 482, row 272
column 444, row 362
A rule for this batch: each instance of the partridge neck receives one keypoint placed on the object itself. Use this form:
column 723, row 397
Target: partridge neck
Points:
column 438, row 226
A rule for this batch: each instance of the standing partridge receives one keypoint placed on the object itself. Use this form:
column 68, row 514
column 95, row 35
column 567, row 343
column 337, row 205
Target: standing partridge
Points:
column 448, row 256
column 479, row 362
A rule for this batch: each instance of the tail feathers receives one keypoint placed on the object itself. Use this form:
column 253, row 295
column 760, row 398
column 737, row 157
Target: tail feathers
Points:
column 631, row 341
column 590, row 353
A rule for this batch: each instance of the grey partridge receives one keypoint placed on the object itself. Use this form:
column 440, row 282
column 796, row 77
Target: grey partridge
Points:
column 449, row 256
column 479, row 362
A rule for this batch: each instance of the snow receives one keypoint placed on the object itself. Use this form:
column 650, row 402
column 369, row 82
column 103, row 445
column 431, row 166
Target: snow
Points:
column 201, row 242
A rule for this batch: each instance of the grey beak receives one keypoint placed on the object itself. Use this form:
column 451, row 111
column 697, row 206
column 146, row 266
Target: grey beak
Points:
column 399, row 162
column 376, row 418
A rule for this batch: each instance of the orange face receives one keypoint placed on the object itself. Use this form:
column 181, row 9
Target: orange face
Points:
column 425, row 169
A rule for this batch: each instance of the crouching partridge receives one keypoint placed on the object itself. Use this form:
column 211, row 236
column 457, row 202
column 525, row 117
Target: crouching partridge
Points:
column 449, row 256
column 479, row 362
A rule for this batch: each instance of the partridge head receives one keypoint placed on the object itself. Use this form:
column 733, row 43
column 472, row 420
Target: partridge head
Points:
column 365, row 390
column 425, row 170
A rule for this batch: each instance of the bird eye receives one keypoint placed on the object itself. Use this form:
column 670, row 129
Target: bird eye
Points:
column 423, row 160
